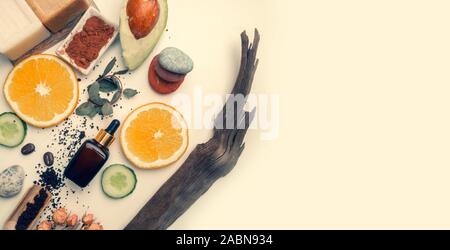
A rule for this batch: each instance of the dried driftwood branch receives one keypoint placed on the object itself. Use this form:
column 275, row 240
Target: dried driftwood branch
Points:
column 209, row 161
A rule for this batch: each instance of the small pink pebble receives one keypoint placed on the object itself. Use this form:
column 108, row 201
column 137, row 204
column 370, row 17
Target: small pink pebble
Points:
column 88, row 219
column 94, row 227
column 44, row 226
column 72, row 220
column 60, row 216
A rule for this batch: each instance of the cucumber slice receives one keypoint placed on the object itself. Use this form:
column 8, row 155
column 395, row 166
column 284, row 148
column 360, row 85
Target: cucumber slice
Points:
column 12, row 130
column 118, row 181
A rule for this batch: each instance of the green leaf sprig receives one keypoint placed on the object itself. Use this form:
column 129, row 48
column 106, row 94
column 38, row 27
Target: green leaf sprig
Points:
column 106, row 83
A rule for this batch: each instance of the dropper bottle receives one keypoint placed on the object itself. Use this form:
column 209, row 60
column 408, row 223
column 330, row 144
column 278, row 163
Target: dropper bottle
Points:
column 91, row 157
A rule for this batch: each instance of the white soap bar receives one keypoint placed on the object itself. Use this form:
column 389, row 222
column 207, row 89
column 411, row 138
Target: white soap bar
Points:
column 20, row 28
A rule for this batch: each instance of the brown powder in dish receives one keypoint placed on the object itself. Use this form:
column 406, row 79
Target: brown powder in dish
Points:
column 86, row 44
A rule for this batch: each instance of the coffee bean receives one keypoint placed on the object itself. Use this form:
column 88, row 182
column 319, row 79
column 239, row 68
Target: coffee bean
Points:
column 28, row 149
column 48, row 159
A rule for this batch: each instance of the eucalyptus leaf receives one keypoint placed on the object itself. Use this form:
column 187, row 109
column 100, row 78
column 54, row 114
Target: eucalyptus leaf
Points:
column 109, row 67
column 116, row 97
column 94, row 94
column 129, row 93
column 122, row 72
column 107, row 85
column 99, row 101
column 94, row 89
column 96, row 110
column 107, row 109
column 85, row 109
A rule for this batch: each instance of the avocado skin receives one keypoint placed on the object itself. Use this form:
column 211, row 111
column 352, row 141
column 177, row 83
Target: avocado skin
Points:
column 134, row 51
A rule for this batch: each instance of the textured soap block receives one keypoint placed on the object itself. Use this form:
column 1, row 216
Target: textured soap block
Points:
column 20, row 29
column 56, row 14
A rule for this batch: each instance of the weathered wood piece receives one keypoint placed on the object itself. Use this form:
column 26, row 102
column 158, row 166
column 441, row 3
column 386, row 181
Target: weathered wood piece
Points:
column 209, row 161
column 11, row 222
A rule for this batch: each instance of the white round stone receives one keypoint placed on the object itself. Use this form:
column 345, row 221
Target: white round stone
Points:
column 11, row 181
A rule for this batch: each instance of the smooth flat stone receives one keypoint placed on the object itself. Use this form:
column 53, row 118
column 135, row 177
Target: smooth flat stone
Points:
column 167, row 75
column 11, row 181
column 175, row 61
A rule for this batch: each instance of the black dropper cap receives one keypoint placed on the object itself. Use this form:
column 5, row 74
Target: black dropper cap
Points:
column 112, row 128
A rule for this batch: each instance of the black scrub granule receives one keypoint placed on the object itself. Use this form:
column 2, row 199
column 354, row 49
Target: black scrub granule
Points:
column 51, row 179
column 66, row 139
column 82, row 136
column 32, row 210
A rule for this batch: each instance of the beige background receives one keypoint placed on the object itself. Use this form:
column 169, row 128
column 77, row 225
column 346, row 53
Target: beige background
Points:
column 365, row 122
column 365, row 126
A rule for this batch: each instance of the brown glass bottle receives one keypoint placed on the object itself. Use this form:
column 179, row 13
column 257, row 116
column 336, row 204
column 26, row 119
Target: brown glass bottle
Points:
column 91, row 157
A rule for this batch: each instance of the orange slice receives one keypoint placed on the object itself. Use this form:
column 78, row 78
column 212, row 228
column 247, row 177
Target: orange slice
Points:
column 154, row 136
column 42, row 90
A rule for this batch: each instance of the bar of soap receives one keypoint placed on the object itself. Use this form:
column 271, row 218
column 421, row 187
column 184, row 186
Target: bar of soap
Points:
column 20, row 29
column 56, row 14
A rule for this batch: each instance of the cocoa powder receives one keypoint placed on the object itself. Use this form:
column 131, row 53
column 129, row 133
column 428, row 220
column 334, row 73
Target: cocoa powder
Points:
column 86, row 44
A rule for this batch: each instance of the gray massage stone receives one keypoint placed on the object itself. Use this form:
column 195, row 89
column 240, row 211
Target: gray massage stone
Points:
column 11, row 181
column 175, row 61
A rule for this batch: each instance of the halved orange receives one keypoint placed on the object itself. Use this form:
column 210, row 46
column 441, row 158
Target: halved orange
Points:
column 154, row 136
column 42, row 90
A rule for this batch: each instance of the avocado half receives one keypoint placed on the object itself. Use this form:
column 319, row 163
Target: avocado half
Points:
column 134, row 51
